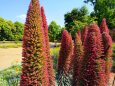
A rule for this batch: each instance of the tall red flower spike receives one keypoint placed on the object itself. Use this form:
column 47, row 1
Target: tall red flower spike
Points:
column 103, row 26
column 78, row 56
column 33, row 61
column 92, row 71
column 107, row 43
column 45, row 69
column 79, row 33
column 49, row 63
column 84, row 34
column 65, row 58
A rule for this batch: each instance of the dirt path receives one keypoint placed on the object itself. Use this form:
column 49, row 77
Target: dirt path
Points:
column 112, row 75
column 9, row 56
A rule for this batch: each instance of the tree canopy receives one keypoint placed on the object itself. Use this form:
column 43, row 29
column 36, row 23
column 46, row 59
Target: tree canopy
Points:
column 104, row 9
column 10, row 31
column 54, row 31
column 77, row 19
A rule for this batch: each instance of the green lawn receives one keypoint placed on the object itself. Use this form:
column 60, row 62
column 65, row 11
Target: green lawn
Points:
column 10, row 44
column 114, row 54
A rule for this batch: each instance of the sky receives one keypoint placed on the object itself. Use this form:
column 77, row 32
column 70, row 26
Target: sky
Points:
column 16, row 10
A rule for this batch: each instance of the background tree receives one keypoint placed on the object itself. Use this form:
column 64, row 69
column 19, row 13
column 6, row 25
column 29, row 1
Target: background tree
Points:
column 5, row 30
column 104, row 9
column 77, row 19
column 10, row 31
column 18, row 30
column 54, row 31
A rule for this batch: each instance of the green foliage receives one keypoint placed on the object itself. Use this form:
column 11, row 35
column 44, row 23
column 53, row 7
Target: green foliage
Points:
column 75, row 15
column 10, row 31
column 104, row 8
column 77, row 19
column 112, row 33
column 113, row 68
column 54, row 31
column 55, row 53
column 5, row 30
column 10, row 76
column 18, row 32
column 114, row 53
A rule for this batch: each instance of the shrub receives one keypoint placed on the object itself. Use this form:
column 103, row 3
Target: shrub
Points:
column 55, row 55
column 10, row 76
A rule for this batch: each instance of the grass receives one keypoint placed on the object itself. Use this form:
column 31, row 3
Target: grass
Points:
column 55, row 53
column 16, row 44
column 10, row 44
column 113, row 54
